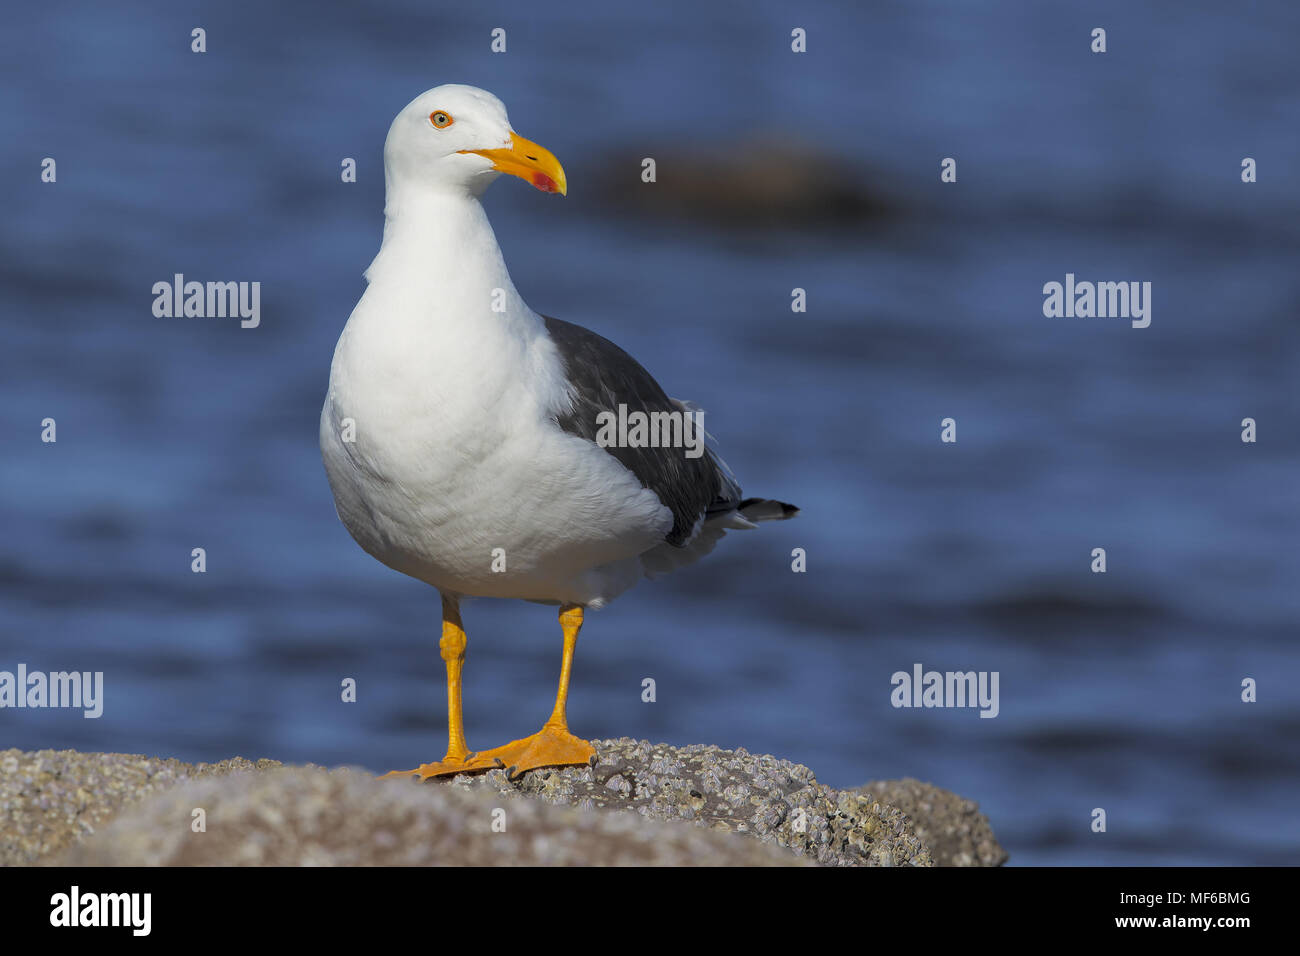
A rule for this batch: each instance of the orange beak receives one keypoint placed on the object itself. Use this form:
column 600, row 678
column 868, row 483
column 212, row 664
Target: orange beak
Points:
column 530, row 162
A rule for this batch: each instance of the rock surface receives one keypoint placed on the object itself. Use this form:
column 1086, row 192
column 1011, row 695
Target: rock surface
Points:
column 65, row 807
column 312, row 817
column 51, row 799
column 951, row 826
column 772, row 799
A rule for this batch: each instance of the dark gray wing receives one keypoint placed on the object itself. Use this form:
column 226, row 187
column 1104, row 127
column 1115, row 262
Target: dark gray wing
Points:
column 602, row 377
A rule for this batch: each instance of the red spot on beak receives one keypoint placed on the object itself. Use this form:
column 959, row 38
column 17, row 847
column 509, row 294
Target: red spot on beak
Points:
column 545, row 183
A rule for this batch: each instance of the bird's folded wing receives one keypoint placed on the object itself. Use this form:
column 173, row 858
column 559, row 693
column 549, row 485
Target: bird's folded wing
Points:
column 603, row 377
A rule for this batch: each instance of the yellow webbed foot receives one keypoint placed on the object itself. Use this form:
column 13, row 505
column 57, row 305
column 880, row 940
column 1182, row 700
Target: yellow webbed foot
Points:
column 552, row 746
column 447, row 767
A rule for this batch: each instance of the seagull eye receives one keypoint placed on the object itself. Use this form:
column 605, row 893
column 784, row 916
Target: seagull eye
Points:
column 440, row 119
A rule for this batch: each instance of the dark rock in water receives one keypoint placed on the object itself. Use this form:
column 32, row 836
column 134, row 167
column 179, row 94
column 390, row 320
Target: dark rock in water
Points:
column 745, row 186
column 951, row 826
column 696, row 805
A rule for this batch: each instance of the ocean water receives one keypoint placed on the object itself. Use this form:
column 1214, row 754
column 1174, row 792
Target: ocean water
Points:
column 1119, row 690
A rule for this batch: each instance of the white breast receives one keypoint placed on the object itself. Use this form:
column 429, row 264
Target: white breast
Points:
column 456, row 467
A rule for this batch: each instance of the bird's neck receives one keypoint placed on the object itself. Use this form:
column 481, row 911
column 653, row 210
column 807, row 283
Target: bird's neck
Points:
column 439, row 248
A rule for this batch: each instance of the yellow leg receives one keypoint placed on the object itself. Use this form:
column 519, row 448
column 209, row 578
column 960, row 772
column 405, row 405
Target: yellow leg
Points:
column 459, row 759
column 553, row 745
column 570, row 624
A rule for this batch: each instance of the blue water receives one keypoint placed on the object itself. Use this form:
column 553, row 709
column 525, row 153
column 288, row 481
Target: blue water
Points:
column 1118, row 690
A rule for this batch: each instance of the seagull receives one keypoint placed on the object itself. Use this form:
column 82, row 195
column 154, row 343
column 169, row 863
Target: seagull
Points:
column 491, row 451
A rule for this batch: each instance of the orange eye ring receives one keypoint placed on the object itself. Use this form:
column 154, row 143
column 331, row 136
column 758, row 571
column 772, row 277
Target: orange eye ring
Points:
column 441, row 119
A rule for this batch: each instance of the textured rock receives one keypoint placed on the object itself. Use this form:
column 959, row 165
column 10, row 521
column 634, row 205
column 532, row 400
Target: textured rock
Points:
column 50, row 799
column 689, row 805
column 951, row 826
column 311, row 817
column 774, row 800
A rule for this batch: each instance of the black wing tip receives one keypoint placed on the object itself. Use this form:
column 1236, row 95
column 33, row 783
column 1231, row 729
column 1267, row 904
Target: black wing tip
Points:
column 765, row 509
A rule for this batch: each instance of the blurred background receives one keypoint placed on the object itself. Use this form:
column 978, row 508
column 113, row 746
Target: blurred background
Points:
column 776, row 170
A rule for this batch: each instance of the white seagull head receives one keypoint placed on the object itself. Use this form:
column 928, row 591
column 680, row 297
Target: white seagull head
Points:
column 458, row 138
